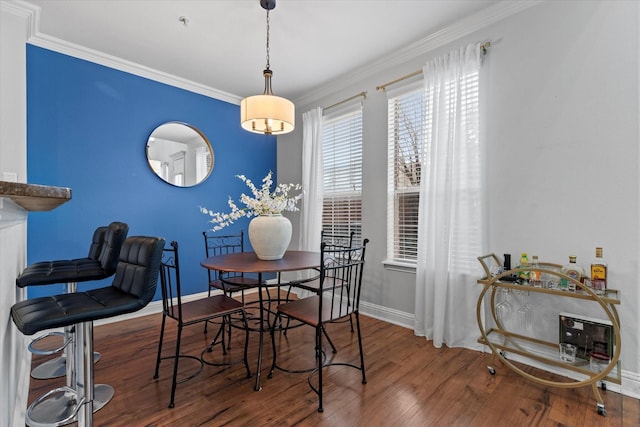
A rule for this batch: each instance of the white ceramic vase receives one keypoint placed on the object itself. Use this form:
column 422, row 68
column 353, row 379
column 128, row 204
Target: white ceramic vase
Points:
column 270, row 236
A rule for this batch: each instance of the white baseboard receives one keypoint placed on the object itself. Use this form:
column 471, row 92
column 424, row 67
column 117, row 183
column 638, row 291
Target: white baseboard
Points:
column 630, row 380
column 396, row 317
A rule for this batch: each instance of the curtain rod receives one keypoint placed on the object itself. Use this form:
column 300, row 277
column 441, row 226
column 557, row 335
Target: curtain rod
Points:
column 383, row 87
column 362, row 94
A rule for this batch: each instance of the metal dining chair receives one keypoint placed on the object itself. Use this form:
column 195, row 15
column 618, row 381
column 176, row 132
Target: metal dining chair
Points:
column 335, row 241
column 230, row 283
column 190, row 313
column 341, row 280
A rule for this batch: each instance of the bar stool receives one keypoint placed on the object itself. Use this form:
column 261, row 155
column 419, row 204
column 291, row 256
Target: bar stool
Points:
column 133, row 286
column 99, row 264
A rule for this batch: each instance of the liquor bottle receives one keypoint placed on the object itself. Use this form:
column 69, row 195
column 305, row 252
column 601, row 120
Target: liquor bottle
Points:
column 534, row 274
column 599, row 273
column 507, row 262
column 524, row 262
column 574, row 271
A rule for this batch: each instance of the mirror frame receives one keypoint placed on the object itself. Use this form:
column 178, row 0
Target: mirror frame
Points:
column 179, row 155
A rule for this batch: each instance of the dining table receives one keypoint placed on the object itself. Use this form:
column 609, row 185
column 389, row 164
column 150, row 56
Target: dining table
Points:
column 248, row 262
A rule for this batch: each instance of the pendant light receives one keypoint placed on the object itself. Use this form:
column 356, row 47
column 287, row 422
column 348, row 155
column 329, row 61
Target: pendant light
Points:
column 267, row 114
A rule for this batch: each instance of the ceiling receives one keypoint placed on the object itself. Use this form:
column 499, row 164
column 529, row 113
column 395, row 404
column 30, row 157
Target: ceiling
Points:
column 222, row 44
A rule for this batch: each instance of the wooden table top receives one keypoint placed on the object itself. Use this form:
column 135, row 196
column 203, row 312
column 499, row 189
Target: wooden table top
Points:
column 248, row 262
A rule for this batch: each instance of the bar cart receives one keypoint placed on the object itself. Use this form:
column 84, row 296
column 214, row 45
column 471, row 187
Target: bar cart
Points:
column 502, row 341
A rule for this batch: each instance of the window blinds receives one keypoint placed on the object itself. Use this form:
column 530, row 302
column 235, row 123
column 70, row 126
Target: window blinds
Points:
column 406, row 120
column 342, row 171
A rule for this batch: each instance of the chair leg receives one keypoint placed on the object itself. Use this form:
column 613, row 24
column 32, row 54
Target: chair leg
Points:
column 319, row 329
column 364, row 377
column 273, row 346
column 221, row 332
column 284, row 332
column 175, row 368
column 164, row 317
column 333, row 347
column 246, row 344
column 206, row 324
column 226, row 320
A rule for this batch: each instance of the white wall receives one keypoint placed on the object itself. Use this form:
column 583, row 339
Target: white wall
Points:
column 15, row 360
column 561, row 130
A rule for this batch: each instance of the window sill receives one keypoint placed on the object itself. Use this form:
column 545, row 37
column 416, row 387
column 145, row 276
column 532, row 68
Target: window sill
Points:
column 404, row 267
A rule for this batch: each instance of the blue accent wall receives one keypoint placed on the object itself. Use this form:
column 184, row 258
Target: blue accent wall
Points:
column 87, row 128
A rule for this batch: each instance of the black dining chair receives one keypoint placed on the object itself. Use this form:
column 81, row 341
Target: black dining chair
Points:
column 230, row 283
column 341, row 280
column 190, row 313
column 331, row 240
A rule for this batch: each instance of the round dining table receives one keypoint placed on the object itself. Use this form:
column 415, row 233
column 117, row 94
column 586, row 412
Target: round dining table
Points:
column 248, row 262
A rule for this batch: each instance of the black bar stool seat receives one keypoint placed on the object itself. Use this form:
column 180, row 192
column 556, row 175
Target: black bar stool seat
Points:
column 37, row 314
column 51, row 272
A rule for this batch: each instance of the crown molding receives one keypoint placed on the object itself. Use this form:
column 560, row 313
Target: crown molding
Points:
column 101, row 58
column 440, row 38
column 20, row 8
column 36, row 38
column 433, row 41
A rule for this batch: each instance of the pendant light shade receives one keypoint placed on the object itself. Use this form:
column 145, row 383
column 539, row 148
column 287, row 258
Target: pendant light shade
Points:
column 267, row 114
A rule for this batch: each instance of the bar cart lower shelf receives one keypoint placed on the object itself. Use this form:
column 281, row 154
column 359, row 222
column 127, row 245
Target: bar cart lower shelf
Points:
column 502, row 341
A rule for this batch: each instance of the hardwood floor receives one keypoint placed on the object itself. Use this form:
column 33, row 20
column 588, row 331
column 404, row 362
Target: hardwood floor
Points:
column 410, row 383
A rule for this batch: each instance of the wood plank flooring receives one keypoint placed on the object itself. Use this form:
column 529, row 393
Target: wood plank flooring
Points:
column 410, row 383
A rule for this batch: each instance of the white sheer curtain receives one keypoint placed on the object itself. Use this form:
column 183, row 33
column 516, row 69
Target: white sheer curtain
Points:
column 450, row 208
column 311, row 210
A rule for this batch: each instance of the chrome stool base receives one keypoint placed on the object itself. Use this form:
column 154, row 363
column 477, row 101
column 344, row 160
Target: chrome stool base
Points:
column 55, row 368
column 60, row 406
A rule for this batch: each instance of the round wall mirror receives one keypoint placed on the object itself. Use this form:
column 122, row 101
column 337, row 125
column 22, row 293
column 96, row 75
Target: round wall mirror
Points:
column 179, row 154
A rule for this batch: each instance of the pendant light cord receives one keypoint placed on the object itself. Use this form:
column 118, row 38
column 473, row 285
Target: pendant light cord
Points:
column 267, row 39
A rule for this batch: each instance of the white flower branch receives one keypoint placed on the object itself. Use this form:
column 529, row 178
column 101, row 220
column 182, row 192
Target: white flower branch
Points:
column 263, row 202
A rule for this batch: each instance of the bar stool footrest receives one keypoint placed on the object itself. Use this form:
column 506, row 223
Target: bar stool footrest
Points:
column 59, row 406
column 48, row 352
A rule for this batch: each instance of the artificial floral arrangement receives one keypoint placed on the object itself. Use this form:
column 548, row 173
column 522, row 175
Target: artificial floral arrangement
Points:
column 263, row 202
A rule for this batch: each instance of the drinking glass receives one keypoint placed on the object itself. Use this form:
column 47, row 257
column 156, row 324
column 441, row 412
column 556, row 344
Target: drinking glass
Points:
column 503, row 307
column 525, row 311
column 567, row 352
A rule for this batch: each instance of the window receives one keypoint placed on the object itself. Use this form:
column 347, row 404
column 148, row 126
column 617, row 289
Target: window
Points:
column 406, row 139
column 342, row 171
column 409, row 135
